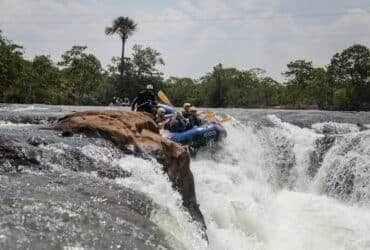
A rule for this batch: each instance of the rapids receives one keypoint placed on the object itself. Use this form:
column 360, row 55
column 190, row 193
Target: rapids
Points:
column 280, row 180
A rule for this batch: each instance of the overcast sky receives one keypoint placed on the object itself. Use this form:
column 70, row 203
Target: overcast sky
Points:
column 193, row 36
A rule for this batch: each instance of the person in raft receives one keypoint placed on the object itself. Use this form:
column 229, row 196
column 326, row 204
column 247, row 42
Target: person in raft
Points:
column 144, row 100
column 177, row 124
column 186, row 111
column 161, row 119
column 194, row 119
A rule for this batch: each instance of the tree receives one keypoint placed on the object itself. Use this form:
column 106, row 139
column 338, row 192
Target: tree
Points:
column 124, row 27
column 45, row 81
column 145, row 60
column 350, row 70
column 11, row 64
column 299, row 74
column 319, row 90
column 140, row 69
column 82, row 73
column 300, row 71
column 183, row 90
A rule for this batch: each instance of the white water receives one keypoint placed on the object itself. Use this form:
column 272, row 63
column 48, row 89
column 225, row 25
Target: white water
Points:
column 249, row 204
column 244, row 211
column 7, row 124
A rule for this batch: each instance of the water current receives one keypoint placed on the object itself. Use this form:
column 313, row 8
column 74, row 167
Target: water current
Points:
column 280, row 180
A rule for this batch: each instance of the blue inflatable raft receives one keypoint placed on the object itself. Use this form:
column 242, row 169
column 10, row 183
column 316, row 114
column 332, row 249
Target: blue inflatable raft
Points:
column 196, row 137
column 201, row 136
column 168, row 109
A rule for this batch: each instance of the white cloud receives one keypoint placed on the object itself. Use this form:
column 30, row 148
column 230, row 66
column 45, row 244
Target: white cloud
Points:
column 261, row 37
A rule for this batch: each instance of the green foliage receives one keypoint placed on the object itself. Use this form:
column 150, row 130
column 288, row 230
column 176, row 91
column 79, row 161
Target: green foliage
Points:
column 341, row 99
column 350, row 70
column 82, row 73
column 141, row 70
column 225, row 87
column 300, row 72
column 183, row 90
column 145, row 60
column 123, row 26
column 80, row 79
column 11, row 64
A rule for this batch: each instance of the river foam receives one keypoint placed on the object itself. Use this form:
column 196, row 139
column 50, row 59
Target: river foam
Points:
column 246, row 200
column 245, row 210
column 255, row 189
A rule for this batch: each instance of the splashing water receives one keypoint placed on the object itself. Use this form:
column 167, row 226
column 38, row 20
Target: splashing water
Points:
column 269, row 185
column 245, row 210
column 255, row 191
column 248, row 204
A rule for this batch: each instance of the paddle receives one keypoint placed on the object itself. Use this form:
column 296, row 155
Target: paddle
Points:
column 209, row 116
column 226, row 120
column 164, row 98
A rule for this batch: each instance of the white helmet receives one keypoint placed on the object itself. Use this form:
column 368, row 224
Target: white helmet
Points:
column 149, row 86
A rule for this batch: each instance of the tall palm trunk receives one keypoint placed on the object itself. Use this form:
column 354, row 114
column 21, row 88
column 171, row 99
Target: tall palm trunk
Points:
column 123, row 64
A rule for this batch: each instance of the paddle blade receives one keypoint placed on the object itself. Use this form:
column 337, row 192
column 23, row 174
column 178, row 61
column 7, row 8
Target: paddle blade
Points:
column 164, row 98
column 226, row 120
column 210, row 116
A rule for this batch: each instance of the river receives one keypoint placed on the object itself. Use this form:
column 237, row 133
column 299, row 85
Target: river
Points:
column 280, row 180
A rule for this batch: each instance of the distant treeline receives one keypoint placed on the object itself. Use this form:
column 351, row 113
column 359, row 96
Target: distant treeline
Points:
column 79, row 79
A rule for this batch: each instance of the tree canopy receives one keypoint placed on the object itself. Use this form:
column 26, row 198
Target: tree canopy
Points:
column 79, row 78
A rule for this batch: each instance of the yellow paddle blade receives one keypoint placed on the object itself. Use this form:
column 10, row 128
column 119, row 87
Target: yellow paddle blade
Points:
column 226, row 120
column 164, row 98
column 210, row 116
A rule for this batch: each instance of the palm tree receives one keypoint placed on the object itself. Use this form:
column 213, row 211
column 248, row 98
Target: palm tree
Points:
column 124, row 27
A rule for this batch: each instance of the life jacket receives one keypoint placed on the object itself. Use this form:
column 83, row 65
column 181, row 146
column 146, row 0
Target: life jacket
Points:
column 143, row 101
column 177, row 125
column 194, row 121
column 186, row 114
column 159, row 119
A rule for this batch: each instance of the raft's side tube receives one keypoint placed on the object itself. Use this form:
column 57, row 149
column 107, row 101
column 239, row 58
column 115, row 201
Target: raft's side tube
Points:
column 202, row 135
column 168, row 109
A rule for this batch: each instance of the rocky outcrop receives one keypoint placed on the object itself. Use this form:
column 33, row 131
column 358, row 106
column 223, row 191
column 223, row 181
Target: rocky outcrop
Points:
column 45, row 190
column 136, row 133
column 62, row 210
column 16, row 156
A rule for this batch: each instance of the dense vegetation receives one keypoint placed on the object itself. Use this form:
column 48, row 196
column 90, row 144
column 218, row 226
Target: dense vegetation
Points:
column 79, row 78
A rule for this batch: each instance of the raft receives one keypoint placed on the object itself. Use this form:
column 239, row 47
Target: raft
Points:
column 168, row 109
column 196, row 137
column 201, row 136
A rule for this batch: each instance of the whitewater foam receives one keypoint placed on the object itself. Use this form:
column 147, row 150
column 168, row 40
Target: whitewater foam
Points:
column 335, row 128
column 7, row 124
column 148, row 177
column 242, row 207
column 244, row 211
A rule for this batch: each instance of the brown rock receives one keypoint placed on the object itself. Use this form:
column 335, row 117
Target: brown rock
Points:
column 137, row 133
column 12, row 156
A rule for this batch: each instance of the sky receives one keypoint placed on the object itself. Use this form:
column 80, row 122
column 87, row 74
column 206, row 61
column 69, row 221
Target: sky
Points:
column 193, row 36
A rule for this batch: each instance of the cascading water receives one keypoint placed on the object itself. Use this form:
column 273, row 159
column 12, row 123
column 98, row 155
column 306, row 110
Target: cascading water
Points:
column 252, row 201
column 280, row 180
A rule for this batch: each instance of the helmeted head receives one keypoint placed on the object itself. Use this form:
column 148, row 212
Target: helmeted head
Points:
column 177, row 114
column 161, row 111
column 149, row 87
column 186, row 106
column 193, row 110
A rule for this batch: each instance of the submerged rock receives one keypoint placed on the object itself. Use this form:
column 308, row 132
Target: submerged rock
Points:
column 69, row 211
column 136, row 133
column 14, row 157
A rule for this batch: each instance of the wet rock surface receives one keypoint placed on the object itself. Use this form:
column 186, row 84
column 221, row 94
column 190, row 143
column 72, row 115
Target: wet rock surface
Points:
column 69, row 159
column 54, row 197
column 15, row 157
column 136, row 133
column 51, row 210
